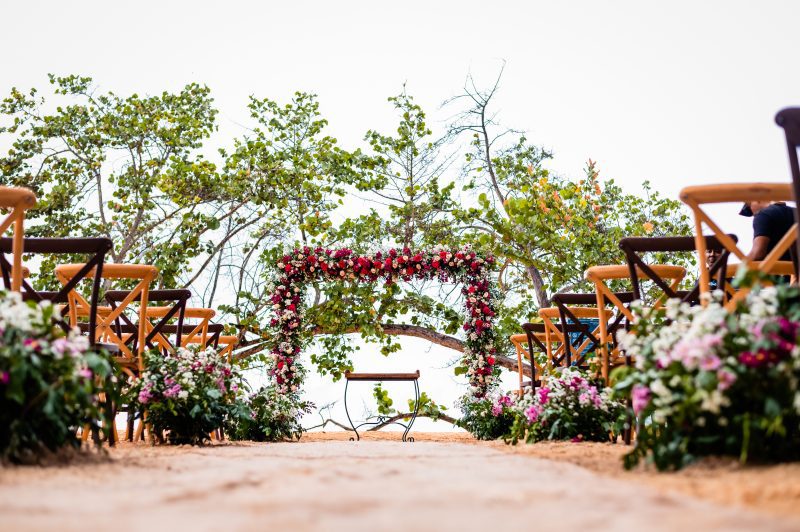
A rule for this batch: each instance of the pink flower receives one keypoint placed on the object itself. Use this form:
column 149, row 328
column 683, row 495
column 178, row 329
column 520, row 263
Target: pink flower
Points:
column 543, row 393
column 726, row 378
column 85, row 373
column 532, row 413
column 710, row 362
column 640, row 397
column 4, row 377
column 497, row 410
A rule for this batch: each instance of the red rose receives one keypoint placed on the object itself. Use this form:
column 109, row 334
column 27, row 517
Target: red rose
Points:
column 471, row 289
column 435, row 264
column 443, row 255
column 490, row 361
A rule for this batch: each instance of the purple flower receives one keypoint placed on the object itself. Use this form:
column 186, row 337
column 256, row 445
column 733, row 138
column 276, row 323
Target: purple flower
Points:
column 496, row 410
column 640, row 397
column 85, row 373
column 4, row 377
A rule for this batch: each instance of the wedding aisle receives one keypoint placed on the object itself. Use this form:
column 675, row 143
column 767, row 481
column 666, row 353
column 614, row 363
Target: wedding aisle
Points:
column 342, row 485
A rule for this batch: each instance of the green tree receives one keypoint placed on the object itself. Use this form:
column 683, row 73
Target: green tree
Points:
column 546, row 228
column 122, row 167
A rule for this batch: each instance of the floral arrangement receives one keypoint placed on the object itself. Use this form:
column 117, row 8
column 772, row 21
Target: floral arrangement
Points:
column 569, row 407
column 304, row 265
column 488, row 418
column 186, row 395
column 268, row 415
column 49, row 382
column 712, row 382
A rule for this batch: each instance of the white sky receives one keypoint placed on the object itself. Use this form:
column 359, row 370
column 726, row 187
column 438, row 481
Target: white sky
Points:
column 676, row 92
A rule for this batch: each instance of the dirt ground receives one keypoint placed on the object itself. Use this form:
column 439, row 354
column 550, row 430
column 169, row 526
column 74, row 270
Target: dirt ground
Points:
column 443, row 481
column 772, row 489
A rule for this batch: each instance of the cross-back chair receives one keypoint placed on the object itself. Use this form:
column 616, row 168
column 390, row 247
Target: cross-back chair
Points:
column 143, row 275
column 576, row 337
column 156, row 334
column 696, row 197
column 620, row 302
column 201, row 332
column 789, row 120
column 94, row 248
column 527, row 345
column 638, row 268
column 16, row 200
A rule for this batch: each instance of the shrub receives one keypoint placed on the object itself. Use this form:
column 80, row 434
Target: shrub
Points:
column 187, row 395
column 712, row 382
column 570, row 406
column 49, row 382
column 483, row 419
column 268, row 415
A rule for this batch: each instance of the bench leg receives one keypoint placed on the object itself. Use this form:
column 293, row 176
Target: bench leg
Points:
column 414, row 416
column 357, row 438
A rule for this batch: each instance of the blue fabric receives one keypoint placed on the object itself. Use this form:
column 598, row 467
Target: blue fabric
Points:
column 575, row 337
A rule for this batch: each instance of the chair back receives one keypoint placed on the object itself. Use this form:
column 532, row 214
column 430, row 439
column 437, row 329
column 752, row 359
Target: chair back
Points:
column 17, row 200
column 789, row 120
column 156, row 336
column 696, row 197
column 93, row 248
column 635, row 247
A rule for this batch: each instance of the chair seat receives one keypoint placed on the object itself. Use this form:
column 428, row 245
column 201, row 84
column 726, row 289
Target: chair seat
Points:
column 381, row 376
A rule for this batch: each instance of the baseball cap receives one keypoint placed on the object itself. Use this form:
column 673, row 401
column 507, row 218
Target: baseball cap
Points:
column 746, row 210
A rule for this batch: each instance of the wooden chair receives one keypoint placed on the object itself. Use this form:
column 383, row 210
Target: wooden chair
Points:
column 17, row 200
column 203, row 332
column 575, row 339
column 635, row 247
column 156, row 334
column 230, row 342
column 94, row 248
column 526, row 346
column 143, row 275
column 789, row 120
column 698, row 196
column 600, row 276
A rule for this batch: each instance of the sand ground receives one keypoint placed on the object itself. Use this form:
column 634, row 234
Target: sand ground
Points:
column 440, row 482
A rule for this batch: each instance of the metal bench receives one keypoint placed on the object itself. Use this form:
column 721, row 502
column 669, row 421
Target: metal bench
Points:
column 383, row 377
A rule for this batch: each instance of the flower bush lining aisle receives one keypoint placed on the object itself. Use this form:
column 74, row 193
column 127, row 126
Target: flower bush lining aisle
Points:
column 712, row 382
column 187, row 394
column 49, row 382
column 304, row 265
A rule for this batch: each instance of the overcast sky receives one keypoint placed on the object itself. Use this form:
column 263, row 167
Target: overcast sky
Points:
column 675, row 92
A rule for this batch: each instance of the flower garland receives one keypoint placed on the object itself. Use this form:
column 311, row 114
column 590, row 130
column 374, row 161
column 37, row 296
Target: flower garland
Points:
column 301, row 266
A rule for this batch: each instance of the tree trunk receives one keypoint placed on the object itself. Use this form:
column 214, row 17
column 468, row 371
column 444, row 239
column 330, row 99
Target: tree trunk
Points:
column 538, row 285
column 399, row 329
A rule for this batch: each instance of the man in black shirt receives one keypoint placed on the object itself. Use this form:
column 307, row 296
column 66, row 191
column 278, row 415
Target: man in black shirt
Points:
column 771, row 221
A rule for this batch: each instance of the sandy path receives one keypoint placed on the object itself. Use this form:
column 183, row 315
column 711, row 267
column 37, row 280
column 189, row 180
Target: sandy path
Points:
column 339, row 485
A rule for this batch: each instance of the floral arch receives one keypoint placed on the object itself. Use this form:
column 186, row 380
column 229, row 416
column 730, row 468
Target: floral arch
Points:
column 465, row 266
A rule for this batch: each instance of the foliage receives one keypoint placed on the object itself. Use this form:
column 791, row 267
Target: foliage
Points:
column 187, row 394
column 49, row 382
column 121, row 167
column 426, row 407
column 268, row 415
column 713, row 382
column 545, row 229
column 570, row 407
column 482, row 419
